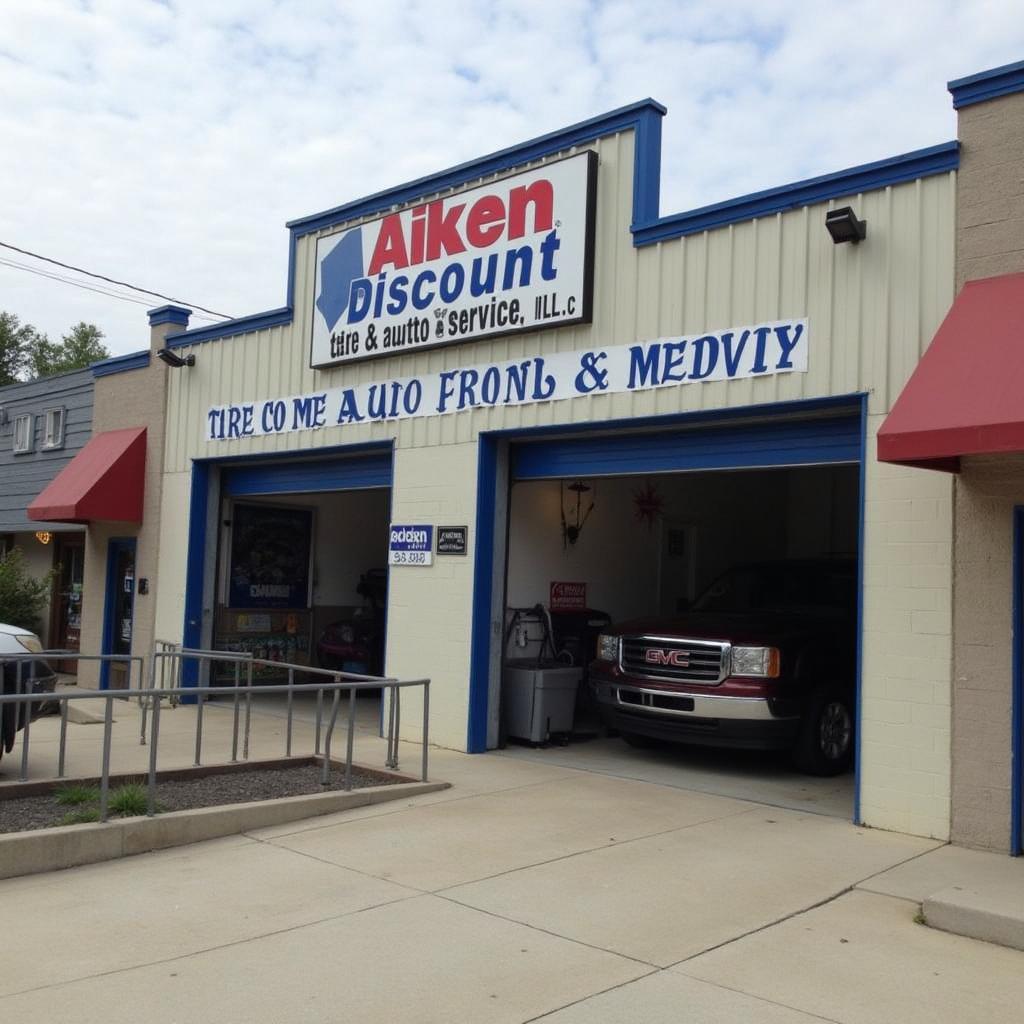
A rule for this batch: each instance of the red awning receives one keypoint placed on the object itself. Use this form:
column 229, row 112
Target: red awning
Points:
column 105, row 480
column 966, row 396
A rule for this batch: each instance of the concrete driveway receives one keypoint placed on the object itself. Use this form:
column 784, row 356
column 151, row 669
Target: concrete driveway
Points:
column 528, row 891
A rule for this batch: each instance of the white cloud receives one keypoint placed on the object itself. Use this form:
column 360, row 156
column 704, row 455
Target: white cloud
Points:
column 166, row 143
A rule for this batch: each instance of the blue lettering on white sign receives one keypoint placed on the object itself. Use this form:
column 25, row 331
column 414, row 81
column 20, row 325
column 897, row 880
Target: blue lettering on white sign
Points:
column 735, row 354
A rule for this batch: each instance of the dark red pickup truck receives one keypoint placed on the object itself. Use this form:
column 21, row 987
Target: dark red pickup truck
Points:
column 764, row 659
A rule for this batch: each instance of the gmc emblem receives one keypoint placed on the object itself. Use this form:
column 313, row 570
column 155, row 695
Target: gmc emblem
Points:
column 660, row 656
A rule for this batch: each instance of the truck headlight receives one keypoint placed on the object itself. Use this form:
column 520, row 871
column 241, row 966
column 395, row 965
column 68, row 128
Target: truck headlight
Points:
column 607, row 648
column 30, row 643
column 762, row 662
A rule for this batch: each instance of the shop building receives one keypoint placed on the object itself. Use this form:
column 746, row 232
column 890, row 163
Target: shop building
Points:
column 456, row 354
column 43, row 425
column 111, row 492
column 961, row 416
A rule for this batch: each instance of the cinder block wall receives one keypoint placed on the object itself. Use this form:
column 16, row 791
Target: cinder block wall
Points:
column 990, row 242
column 990, row 189
column 135, row 398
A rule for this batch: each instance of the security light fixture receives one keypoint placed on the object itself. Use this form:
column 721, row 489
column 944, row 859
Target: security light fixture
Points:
column 843, row 225
column 176, row 361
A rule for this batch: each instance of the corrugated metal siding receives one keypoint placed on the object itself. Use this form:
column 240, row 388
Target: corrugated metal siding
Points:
column 872, row 308
column 24, row 476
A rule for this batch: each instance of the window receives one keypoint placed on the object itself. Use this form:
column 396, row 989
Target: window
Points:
column 53, row 430
column 24, row 429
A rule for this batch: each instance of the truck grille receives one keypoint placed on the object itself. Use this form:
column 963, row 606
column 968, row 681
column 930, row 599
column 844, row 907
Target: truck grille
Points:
column 673, row 659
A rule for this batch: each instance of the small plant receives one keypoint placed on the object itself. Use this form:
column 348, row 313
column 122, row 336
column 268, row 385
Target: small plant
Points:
column 919, row 917
column 129, row 800
column 82, row 816
column 75, row 796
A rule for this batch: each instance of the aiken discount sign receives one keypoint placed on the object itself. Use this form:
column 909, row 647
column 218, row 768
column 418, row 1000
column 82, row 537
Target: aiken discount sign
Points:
column 741, row 352
column 512, row 255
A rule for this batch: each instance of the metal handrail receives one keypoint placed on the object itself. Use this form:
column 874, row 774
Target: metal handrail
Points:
column 152, row 697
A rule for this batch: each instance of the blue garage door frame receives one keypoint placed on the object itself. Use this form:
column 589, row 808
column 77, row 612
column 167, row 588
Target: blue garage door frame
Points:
column 248, row 476
column 749, row 446
column 827, row 432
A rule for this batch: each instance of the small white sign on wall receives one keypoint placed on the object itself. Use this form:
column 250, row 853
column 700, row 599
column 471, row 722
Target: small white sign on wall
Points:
column 411, row 544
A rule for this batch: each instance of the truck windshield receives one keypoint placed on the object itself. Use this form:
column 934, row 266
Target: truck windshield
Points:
column 780, row 588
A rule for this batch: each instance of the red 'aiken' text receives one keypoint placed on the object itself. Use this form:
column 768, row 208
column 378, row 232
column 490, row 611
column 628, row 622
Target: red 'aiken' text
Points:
column 434, row 231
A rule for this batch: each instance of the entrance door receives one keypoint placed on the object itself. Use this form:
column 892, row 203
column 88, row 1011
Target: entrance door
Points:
column 66, row 624
column 119, row 612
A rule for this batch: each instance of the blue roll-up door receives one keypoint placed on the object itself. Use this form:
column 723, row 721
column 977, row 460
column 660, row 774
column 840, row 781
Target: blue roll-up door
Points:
column 309, row 476
column 767, row 443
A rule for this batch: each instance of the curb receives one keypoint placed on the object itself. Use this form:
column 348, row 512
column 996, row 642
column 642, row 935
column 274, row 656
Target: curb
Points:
column 67, row 846
column 967, row 912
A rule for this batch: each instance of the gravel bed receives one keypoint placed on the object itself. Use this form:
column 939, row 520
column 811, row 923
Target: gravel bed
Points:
column 34, row 812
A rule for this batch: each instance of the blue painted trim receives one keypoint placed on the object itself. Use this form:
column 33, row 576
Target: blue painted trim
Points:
column 1017, row 723
column 987, row 85
column 297, row 457
column 114, row 546
column 307, row 477
column 906, row 167
column 751, row 446
column 169, row 315
column 119, row 364
column 622, row 119
column 240, row 325
column 195, row 562
column 861, row 515
column 483, row 583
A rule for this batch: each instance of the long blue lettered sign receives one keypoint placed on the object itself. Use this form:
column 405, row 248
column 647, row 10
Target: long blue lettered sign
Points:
column 759, row 350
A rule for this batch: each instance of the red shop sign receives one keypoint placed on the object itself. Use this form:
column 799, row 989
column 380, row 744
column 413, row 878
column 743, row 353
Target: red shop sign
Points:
column 568, row 597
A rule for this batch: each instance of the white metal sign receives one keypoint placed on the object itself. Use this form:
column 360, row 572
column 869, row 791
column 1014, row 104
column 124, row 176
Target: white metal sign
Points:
column 512, row 255
column 411, row 545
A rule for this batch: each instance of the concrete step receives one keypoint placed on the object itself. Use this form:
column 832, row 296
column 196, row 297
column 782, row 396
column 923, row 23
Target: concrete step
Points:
column 992, row 911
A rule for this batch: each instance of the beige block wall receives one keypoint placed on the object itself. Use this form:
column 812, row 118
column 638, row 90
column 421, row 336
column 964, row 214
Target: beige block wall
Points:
column 907, row 626
column 987, row 491
column 990, row 189
column 135, row 398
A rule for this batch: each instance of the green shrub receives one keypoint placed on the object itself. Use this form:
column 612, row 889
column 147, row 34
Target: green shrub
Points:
column 81, row 817
column 128, row 800
column 22, row 597
column 73, row 796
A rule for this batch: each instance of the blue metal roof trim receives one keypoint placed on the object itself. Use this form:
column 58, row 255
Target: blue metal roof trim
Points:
column 120, row 364
column 906, row 167
column 644, row 118
column 987, row 85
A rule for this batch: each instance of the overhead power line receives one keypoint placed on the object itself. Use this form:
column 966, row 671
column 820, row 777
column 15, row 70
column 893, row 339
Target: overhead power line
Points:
column 111, row 280
column 63, row 279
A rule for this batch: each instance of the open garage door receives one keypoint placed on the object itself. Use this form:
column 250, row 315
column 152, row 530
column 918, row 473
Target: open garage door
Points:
column 721, row 564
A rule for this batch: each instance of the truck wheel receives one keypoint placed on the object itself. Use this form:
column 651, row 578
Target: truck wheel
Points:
column 824, row 745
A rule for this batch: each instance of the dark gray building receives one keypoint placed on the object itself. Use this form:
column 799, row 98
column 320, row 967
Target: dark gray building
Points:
column 43, row 425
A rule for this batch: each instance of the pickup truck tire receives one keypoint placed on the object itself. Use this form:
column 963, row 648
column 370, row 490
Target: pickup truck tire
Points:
column 824, row 745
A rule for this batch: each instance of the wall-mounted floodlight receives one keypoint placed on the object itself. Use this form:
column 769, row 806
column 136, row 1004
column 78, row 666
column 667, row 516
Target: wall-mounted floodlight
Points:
column 843, row 225
column 167, row 356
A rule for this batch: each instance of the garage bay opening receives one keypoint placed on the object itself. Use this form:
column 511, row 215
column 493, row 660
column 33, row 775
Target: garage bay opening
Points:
column 706, row 615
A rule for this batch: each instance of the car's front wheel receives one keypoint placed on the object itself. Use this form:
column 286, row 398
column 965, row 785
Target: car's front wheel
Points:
column 825, row 743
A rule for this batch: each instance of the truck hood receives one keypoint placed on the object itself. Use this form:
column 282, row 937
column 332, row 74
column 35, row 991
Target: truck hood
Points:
column 768, row 628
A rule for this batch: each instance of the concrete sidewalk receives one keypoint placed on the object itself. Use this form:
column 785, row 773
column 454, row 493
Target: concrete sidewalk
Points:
column 528, row 891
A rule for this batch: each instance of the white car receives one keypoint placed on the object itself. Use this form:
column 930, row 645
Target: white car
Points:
column 37, row 674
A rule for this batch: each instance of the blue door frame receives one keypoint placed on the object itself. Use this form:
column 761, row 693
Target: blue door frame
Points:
column 833, row 443
column 115, row 547
column 1017, row 708
column 347, row 467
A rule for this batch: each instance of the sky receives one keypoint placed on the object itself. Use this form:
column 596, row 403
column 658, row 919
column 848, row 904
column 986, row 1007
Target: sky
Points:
column 165, row 144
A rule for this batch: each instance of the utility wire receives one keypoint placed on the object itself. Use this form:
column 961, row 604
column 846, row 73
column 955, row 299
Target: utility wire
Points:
column 15, row 265
column 111, row 280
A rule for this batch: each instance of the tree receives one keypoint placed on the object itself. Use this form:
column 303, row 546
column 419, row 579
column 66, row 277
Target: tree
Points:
column 80, row 347
column 22, row 598
column 16, row 339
